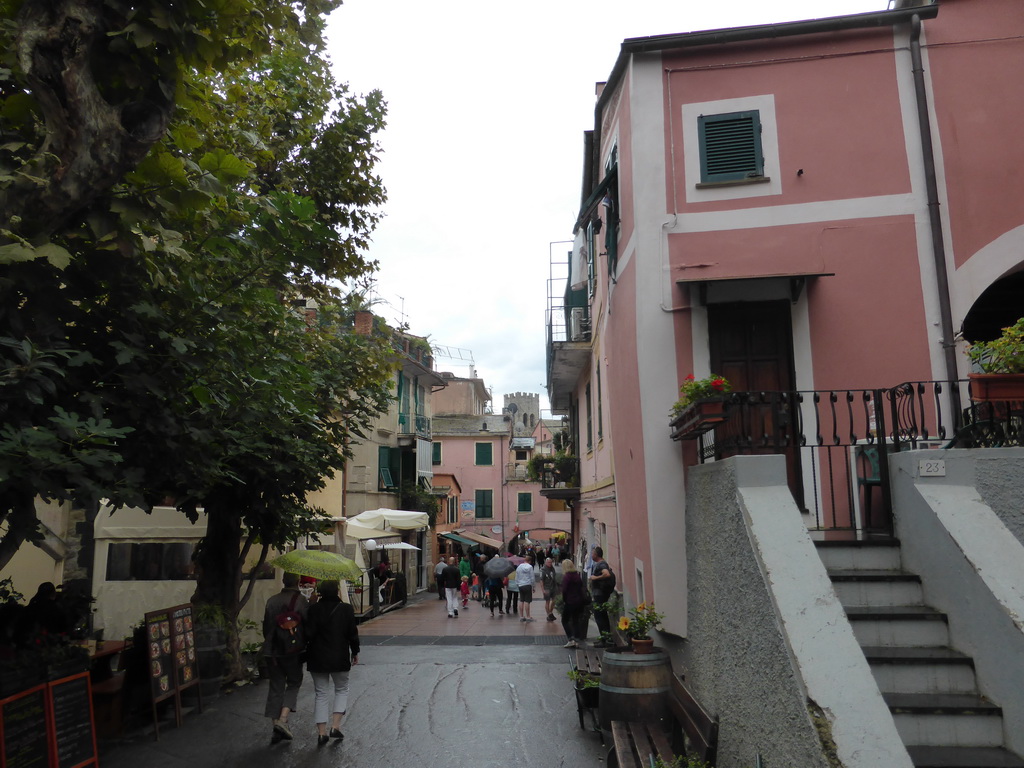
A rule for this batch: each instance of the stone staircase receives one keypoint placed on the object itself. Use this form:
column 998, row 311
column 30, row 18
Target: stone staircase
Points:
column 929, row 686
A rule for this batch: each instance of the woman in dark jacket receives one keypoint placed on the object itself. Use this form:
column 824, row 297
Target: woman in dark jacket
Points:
column 574, row 611
column 331, row 633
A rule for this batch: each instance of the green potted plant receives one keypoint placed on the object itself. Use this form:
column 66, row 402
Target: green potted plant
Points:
column 638, row 627
column 587, row 688
column 1001, row 361
column 701, row 406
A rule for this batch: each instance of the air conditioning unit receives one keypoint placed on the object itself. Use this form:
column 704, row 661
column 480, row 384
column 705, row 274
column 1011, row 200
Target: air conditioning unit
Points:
column 577, row 325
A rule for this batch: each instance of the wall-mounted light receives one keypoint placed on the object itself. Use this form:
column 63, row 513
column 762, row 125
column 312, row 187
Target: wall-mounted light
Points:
column 370, row 544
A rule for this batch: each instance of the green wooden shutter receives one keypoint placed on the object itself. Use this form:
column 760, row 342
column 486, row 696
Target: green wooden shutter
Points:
column 435, row 456
column 730, row 146
column 484, row 504
column 526, row 502
column 484, row 454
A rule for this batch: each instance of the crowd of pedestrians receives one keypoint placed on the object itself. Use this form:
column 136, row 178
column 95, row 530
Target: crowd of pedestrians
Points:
column 324, row 636
column 560, row 584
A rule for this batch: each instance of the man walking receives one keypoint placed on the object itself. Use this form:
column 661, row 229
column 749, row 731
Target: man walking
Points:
column 437, row 577
column 283, row 663
column 602, row 584
column 452, row 579
column 524, row 579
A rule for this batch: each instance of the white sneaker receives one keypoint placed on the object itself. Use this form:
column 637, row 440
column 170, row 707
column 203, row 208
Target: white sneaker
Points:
column 570, row 644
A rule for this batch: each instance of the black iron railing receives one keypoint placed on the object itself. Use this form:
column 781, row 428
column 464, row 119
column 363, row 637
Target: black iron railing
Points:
column 837, row 442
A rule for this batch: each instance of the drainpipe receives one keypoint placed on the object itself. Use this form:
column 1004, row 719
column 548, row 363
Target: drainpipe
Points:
column 934, row 217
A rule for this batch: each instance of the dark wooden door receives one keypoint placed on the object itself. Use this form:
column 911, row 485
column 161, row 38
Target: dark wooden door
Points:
column 751, row 345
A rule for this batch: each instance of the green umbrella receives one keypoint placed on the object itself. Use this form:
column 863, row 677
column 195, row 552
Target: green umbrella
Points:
column 319, row 564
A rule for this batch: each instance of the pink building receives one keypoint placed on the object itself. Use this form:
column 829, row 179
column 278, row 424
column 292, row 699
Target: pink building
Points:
column 828, row 206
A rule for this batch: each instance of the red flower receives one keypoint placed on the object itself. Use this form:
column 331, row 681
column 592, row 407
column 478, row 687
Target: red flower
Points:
column 718, row 384
column 691, row 377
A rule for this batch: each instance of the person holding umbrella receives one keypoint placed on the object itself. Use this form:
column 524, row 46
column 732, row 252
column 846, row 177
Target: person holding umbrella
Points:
column 284, row 666
column 332, row 633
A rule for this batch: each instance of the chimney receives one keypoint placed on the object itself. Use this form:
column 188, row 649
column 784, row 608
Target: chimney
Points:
column 364, row 322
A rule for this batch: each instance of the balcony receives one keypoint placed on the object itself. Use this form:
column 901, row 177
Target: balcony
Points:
column 568, row 336
column 837, row 442
column 560, row 477
column 414, row 424
column 516, row 473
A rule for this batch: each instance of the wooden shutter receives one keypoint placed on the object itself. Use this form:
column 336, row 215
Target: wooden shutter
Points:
column 730, row 146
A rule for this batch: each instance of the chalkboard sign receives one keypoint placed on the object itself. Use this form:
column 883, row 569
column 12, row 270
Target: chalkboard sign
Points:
column 24, row 732
column 72, row 721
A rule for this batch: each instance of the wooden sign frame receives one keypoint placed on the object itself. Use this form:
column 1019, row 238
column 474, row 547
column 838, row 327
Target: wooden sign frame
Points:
column 172, row 663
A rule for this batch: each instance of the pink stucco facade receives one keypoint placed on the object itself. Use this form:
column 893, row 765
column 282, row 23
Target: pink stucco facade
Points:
column 835, row 228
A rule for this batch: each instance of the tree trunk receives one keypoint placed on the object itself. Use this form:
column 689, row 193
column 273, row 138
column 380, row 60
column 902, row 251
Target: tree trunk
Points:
column 219, row 574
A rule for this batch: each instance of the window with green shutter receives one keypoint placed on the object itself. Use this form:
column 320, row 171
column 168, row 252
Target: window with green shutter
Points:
column 730, row 146
column 526, row 502
column 435, row 456
column 484, row 454
column 484, row 503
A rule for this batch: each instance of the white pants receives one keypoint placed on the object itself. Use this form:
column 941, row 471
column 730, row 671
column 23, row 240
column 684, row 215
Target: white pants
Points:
column 452, row 595
column 322, row 707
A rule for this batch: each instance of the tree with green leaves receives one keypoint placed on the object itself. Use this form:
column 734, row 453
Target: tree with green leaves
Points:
column 172, row 177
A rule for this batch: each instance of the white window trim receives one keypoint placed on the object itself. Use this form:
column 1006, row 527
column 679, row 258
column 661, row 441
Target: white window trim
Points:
column 765, row 105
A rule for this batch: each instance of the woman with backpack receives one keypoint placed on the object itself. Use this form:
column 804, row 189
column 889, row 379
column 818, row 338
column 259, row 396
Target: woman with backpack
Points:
column 331, row 635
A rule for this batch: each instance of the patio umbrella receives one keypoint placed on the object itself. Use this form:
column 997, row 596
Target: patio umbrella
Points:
column 319, row 564
column 497, row 567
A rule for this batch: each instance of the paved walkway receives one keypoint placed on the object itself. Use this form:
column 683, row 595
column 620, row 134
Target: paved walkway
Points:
column 471, row 692
column 425, row 620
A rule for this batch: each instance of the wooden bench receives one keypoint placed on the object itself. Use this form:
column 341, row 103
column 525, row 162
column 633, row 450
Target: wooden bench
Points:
column 586, row 660
column 635, row 745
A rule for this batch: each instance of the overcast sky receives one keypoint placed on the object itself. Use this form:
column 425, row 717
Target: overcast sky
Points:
column 483, row 153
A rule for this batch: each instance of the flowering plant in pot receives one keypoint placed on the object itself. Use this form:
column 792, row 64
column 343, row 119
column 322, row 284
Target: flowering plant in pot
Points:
column 1002, row 363
column 694, row 389
column 638, row 627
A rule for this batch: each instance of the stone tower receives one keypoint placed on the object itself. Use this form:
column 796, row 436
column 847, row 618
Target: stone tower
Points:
column 526, row 413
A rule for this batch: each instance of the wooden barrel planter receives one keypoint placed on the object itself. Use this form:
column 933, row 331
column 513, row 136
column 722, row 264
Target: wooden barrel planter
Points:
column 634, row 687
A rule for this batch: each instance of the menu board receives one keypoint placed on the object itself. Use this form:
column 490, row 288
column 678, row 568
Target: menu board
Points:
column 72, row 721
column 24, row 731
column 171, row 651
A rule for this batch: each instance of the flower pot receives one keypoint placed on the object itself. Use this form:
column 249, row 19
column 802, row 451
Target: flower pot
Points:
column 996, row 387
column 697, row 418
column 642, row 645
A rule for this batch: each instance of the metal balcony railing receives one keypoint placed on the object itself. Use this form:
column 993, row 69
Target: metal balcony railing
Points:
column 837, row 442
column 414, row 424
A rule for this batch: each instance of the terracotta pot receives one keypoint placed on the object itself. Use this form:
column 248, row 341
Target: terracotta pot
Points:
column 999, row 387
column 643, row 646
column 697, row 418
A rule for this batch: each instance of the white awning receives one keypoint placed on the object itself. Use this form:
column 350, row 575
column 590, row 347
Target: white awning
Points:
column 399, row 519
column 400, row 545
column 361, row 532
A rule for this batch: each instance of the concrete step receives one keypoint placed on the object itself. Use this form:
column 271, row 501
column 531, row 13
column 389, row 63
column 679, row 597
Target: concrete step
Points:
column 964, row 757
column 880, row 554
column 877, row 587
column 921, row 670
column 906, row 626
column 946, row 720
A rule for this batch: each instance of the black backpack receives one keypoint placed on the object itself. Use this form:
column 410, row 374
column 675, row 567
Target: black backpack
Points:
column 289, row 634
